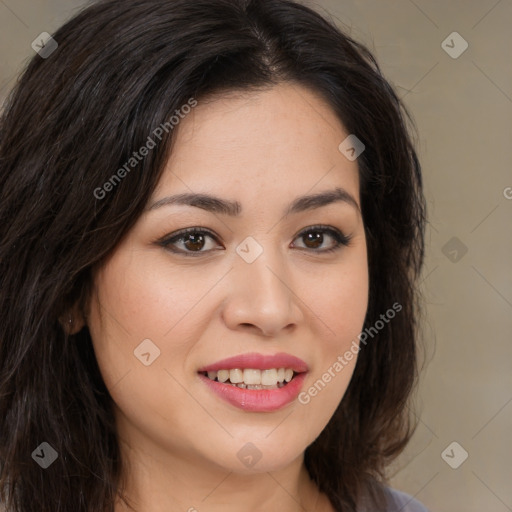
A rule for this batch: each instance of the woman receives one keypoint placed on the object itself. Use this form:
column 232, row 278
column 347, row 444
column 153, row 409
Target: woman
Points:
column 211, row 232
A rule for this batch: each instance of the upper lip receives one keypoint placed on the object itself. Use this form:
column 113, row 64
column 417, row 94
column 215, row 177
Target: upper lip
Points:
column 258, row 361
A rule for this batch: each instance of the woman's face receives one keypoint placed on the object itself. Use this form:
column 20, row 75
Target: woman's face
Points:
column 254, row 279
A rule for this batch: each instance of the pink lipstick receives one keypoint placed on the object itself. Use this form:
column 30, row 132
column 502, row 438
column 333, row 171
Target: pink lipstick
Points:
column 256, row 382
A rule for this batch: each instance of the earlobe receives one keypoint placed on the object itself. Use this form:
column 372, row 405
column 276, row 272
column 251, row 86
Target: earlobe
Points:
column 72, row 322
column 75, row 315
column 76, row 323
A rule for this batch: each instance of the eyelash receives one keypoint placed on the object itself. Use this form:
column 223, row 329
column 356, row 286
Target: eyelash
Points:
column 340, row 239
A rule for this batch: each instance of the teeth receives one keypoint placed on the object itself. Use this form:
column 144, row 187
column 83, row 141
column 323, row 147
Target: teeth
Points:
column 269, row 377
column 236, row 376
column 223, row 375
column 250, row 378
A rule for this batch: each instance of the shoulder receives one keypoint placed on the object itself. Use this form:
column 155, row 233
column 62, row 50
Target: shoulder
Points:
column 402, row 502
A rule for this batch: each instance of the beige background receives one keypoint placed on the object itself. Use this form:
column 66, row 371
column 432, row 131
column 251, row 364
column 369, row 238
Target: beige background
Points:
column 463, row 109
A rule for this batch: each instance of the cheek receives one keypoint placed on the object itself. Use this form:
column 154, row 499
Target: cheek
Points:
column 139, row 297
column 340, row 306
column 339, row 301
column 128, row 308
column 142, row 300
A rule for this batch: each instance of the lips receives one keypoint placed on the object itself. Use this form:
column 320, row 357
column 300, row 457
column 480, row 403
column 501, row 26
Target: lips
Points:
column 255, row 398
column 259, row 362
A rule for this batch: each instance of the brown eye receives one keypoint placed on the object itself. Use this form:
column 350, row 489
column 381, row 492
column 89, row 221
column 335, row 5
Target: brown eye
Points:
column 191, row 241
column 197, row 241
column 314, row 237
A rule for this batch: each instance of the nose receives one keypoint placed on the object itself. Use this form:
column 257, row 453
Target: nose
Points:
column 261, row 298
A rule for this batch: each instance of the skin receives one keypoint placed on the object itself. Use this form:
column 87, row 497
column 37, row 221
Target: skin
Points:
column 179, row 441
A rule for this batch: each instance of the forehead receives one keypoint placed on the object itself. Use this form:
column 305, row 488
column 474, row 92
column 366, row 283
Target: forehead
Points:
column 285, row 137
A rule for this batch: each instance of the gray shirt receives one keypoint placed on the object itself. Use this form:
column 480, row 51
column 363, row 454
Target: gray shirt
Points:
column 402, row 502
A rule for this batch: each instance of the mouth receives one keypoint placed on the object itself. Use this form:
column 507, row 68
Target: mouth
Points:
column 255, row 382
column 250, row 378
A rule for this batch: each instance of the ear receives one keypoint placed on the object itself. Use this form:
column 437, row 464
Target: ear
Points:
column 73, row 321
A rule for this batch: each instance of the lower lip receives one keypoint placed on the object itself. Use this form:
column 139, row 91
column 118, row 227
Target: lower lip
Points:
column 257, row 400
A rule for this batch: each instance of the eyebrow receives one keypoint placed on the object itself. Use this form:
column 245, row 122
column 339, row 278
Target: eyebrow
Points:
column 234, row 208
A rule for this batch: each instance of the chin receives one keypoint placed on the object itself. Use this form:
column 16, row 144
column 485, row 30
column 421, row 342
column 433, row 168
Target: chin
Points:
column 269, row 451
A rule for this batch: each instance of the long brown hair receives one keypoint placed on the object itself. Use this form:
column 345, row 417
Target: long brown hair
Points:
column 121, row 69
